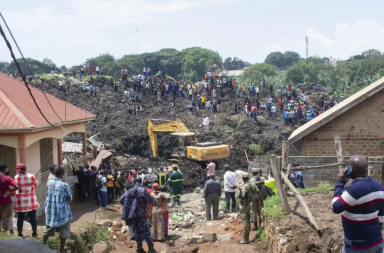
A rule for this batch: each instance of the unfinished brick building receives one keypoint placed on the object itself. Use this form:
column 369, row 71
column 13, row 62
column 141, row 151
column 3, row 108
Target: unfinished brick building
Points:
column 358, row 120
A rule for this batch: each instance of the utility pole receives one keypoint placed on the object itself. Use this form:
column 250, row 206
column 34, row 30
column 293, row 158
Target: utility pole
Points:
column 306, row 44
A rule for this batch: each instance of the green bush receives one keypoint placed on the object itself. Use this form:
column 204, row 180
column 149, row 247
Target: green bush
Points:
column 238, row 126
column 256, row 149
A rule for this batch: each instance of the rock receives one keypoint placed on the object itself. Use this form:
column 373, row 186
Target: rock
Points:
column 104, row 223
column 124, row 230
column 110, row 229
column 114, row 237
column 119, row 225
column 210, row 237
column 198, row 190
column 171, row 243
column 103, row 247
column 201, row 241
column 193, row 240
column 195, row 220
column 185, row 225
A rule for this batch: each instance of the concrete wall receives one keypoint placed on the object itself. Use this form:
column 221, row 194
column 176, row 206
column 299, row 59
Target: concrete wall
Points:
column 313, row 177
column 360, row 129
column 33, row 158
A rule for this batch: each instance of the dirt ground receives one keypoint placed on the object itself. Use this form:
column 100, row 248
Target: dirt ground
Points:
column 293, row 233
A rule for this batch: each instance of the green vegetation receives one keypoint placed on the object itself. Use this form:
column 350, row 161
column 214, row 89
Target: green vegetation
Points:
column 82, row 243
column 227, row 130
column 272, row 207
column 233, row 64
column 4, row 236
column 177, row 217
column 321, row 187
column 261, row 235
column 119, row 144
column 256, row 149
column 238, row 126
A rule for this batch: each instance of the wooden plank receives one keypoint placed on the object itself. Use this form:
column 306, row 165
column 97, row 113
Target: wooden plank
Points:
column 246, row 155
column 339, row 152
column 285, row 156
column 279, row 185
column 301, row 200
column 318, row 166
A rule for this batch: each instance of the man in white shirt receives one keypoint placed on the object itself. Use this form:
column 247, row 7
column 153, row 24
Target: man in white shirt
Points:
column 230, row 184
column 273, row 111
column 126, row 93
column 206, row 124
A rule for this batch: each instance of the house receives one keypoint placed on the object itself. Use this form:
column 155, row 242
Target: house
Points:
column 358, row 120
column 27, row 137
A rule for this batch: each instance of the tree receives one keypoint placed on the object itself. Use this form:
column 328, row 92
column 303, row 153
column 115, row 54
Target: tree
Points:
column 228, row 63
column 371, row 52
column 199, row 60
column 276, row 58
column 290, row 58
column 63, row 68
column 102, row 60
column 37, row 67
column 48, row 62
column 257, row 72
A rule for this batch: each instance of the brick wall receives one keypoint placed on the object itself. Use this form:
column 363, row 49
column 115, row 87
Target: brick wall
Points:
column 361, row 130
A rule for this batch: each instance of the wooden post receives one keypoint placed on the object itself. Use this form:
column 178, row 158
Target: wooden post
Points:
column 285, row 157
column 339, row 152
column 84, row 135
column 301, row 200
column 279, row 185
column 22, row 143
column 60, row 151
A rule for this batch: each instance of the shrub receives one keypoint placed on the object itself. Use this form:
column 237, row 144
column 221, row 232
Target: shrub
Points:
column 256, row 149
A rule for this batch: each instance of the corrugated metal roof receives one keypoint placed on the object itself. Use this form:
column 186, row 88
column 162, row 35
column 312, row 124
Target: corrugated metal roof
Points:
column 18, row 111
column 335, row 111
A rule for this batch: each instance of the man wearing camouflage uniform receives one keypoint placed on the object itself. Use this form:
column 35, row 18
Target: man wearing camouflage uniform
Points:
column 257, row 201
column 246, row 195
column 135, row 203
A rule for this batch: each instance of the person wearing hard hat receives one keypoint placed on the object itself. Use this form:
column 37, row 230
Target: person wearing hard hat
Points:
column 246, row 195
column 257, row 201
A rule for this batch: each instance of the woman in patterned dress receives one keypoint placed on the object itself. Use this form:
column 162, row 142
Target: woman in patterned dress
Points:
column 158, row 214
column 26, row 201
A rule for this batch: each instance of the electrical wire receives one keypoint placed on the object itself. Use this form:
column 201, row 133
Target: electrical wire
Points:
column 26, row 64
column 25, row 81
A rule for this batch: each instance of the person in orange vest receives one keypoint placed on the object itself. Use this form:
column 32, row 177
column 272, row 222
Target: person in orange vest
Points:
column 206, row 76
column 110, row 186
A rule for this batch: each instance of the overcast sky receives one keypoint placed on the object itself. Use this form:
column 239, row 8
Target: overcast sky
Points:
column 69, row 32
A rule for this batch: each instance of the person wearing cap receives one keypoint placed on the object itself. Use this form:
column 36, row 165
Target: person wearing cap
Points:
column 211, row 168
column 246, row 196
column 175, row 180
column 212, row 193
column 26, row 201
column 158, row 213
column 257, row 201
column 230, row 184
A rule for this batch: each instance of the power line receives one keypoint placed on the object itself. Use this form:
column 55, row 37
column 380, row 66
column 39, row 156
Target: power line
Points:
column 25, row 81
column 26, row 64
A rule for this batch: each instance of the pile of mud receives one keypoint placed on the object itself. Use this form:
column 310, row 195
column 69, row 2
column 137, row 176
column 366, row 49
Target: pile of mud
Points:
column 124, row 133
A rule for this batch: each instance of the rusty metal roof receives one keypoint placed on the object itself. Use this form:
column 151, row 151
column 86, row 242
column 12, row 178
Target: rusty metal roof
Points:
column 18, row 111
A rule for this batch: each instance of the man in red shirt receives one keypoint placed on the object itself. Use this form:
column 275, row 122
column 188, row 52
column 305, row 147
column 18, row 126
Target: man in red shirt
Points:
column 93, row 69
column 5, row 195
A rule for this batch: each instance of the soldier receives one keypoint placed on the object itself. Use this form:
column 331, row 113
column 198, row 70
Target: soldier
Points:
column 257, row 201
column 246, row 195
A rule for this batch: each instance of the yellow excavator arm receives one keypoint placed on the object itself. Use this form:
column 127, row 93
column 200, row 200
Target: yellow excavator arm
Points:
column 169, row 126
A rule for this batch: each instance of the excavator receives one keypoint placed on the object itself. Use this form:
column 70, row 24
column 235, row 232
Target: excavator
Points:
column 184, row 143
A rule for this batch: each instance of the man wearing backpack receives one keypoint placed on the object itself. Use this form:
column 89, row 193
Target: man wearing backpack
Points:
column 101, row 185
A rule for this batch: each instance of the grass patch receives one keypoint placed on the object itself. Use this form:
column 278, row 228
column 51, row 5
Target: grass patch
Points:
column 272, row 207
column 4, row 236
column 256, row 149
column 261, row 236
column 321, row 187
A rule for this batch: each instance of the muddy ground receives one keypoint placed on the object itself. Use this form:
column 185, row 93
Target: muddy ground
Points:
column 294, row 233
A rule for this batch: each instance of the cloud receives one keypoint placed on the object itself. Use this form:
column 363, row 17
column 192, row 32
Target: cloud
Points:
column 347, row 39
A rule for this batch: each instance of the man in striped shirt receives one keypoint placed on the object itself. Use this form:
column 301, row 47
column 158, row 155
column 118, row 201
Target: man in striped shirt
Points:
column 362, row 208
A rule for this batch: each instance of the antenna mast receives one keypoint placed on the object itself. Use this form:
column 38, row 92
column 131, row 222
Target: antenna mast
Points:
column 306, row 44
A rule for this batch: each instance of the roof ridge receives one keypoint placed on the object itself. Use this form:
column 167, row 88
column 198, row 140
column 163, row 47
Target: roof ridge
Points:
column 15, row 110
